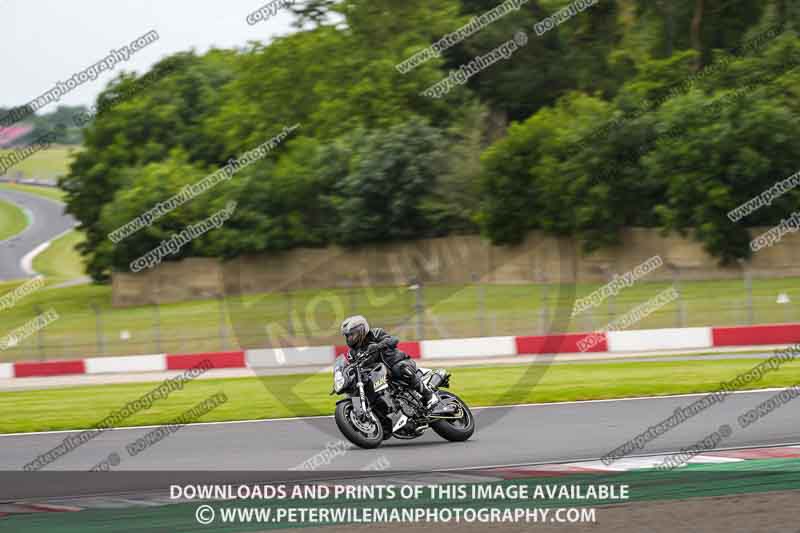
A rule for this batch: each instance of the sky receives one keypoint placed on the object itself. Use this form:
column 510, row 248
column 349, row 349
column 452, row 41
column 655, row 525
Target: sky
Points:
column 43, row 42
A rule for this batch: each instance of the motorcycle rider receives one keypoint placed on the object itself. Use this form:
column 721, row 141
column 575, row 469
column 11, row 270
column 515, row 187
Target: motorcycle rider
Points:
column 377, row 343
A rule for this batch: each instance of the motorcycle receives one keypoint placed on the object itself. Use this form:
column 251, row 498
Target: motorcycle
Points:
column 363, row 416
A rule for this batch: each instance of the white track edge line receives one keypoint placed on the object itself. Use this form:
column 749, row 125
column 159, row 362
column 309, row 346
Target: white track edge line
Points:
column 638, row 456
column 27, row 260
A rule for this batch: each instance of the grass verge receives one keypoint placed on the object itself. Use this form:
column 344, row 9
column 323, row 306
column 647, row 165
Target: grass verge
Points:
column 48, row 164
column 12, row 220
column 61, row 261
column 254, row 398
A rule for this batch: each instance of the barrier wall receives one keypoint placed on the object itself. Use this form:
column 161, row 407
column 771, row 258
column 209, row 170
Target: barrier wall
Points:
column 413, row 349
column 216, row 360
column 479, row 347
column 131, row 363
column 48, row 368
column 566, row 343
column 474, row 347
column 747, row 335
column 441, row 261
column 665, row 339
column 303, row 356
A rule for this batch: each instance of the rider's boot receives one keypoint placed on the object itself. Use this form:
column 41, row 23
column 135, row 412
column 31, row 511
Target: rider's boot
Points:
column 429, row 396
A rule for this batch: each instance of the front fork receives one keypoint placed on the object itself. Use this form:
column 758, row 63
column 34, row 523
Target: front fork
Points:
column 360, row 404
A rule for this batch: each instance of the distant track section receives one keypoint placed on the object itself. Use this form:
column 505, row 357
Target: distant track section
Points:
column 48, row 222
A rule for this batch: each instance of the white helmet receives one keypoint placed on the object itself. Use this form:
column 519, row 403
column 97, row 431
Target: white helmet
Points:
column 355, row 329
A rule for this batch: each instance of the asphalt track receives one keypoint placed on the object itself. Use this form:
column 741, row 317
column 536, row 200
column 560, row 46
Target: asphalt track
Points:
column 515, row 435
column 48, row 222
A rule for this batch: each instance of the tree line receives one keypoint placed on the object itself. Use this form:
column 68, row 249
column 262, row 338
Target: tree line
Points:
column 664, row 114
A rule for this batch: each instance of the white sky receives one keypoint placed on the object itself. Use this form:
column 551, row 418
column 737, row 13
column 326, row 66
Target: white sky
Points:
column 45, row 41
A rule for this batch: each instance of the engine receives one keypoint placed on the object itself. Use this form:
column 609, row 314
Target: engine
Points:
column 408, row 404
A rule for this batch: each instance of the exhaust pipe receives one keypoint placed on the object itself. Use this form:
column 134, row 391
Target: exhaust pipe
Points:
column 439, row 376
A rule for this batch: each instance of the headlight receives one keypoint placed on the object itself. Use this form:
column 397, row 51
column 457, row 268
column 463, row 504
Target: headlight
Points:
column 338, row 380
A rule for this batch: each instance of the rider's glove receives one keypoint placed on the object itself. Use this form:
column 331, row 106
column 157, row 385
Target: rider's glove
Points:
column 372, row 349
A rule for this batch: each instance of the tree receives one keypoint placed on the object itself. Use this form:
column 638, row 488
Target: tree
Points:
column 599, row 106
column 455, row 200
column 389, row 175
column 147, row 186
column 144, row 129
column 726, row 157
column 281, row 204
column 313, row 12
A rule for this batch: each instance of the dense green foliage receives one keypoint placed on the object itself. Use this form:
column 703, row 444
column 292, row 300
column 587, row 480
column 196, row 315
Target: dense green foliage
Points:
column 633, row 113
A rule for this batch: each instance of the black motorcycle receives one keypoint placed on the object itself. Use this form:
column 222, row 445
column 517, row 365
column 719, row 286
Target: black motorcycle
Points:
column 364, row 416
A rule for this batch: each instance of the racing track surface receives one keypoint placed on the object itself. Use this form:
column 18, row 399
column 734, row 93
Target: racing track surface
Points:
column 505, row 436
column 48, row 222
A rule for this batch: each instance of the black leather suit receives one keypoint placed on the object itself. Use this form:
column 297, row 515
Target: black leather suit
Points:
column 400, row 364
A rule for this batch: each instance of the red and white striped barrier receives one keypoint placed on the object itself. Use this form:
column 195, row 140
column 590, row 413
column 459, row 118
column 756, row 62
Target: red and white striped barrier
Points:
column 130, row 363
column 750, row 335
column 474, row 347
column 659, row 339
column 477, row 347
column 216, row 360
column 6, row 370
column 302, row 356
column 563, row 343
column 28, row 369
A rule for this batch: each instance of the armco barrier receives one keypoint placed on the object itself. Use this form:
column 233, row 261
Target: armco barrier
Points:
column 217, row 360
column 413, row 349
column 474, row 347
column 754, row 335
column 567, row 343
column 660, row 339
column 49, row 368
column 130, row 363
column 275, row 357
column 613, row 341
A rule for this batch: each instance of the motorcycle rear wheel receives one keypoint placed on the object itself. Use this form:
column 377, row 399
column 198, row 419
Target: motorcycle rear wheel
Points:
column 455, row 430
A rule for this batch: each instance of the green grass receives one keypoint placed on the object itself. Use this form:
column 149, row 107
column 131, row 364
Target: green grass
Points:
column 61, row 261
column 255, row 398
column 12, row 220
column 90, row 325
column 45, row 164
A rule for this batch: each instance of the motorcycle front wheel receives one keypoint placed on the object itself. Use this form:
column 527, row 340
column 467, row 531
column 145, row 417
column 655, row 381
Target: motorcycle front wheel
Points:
column 363, row 433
